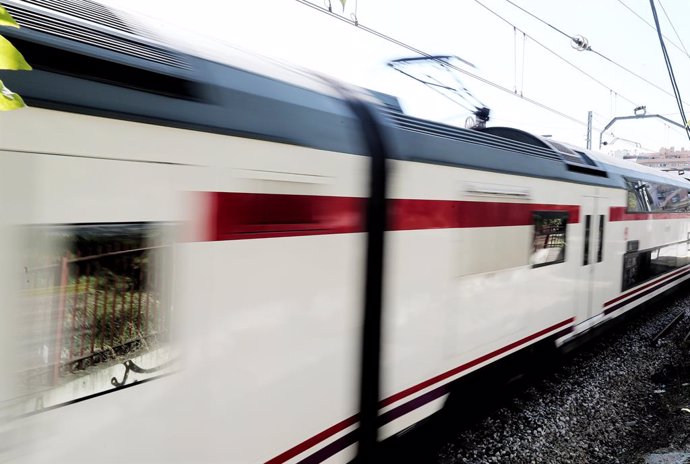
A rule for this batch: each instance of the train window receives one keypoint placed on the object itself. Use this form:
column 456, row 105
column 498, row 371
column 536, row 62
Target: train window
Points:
column 671, row 198
column 588, row 223
column 639, row 198
column 95, row 296
column 548, row 245
column 600, row 249
column 645, row 197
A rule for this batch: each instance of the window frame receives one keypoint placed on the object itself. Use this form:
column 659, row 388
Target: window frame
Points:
column 552, row 214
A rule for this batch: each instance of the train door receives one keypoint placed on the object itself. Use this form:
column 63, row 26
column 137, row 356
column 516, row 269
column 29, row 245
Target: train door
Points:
column 593, row 257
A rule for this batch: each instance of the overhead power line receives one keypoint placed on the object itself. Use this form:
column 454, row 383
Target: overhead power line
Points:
column 556, row 54
column 413, row 49
column 584, row 45
column 668, row 18
column 683, row 50
column 540, row 20
column 669, row 67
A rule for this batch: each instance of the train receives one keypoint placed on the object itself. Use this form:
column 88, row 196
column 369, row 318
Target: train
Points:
column 186, row 237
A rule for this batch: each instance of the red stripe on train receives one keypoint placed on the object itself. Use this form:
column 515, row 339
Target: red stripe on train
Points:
column 427, row 383
column 234, row 216
column 619, row 213
column 313, row 441
column 440, row 214
column 655, row 281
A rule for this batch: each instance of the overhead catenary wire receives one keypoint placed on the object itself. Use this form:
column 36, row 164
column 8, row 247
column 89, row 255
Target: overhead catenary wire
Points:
column 570, row 63
column 541, row 20
column 669, row 67
column 684, row 50
column 668, row 18
column 671, row 128
column 587, row 47
column 658, row 87
column 413, row 49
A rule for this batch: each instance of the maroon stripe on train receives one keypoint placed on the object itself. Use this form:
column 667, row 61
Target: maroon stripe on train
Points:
column 234, row 216
column 406, row 407
column 441, row 214
column 657, row 285
column 619, row 213
column 648, row 284
column 463, row 367
column 389, row 416
column 313, row 441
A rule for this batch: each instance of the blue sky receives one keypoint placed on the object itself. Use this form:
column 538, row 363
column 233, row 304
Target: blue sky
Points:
column 293, row 32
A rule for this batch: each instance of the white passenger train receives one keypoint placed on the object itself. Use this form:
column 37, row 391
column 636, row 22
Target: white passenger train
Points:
column 184, row 235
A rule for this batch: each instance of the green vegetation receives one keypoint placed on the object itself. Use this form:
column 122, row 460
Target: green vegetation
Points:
column 10, row 59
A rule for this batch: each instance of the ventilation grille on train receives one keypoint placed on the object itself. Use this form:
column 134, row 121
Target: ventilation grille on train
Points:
column 86, row 10
column 89, row 23
column 577, row 161
column 572, row 156
column 441, row 130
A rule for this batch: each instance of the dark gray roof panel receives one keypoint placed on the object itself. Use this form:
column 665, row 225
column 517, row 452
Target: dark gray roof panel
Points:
column 225, row 111
column 574, row 160
column 425, row 141
column 427, row 127
column 515, row 134
column 209, row 96
column 436, row 149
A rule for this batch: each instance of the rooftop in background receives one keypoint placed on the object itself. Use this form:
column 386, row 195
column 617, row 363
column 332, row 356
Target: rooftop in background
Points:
column 667, row 159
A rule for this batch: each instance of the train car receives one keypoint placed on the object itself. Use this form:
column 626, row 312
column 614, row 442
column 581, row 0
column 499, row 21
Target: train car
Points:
column 185, row 242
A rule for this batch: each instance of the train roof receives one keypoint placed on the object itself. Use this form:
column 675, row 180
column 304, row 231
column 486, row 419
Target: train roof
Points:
column 92, row 59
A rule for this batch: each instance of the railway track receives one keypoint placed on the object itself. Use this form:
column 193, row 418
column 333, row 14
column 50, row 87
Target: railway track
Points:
column 670, row 326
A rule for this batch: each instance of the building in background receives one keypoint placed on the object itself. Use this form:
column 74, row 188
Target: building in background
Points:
column 667, row 159
column 624, row 153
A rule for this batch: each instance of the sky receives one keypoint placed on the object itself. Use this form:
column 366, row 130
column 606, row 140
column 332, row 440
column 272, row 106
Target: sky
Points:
column 509, row 55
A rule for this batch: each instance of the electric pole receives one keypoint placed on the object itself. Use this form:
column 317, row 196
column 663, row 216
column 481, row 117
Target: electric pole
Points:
column 589, row 130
